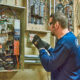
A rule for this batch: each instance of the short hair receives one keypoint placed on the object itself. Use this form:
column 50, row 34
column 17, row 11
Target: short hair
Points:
column 61, row 18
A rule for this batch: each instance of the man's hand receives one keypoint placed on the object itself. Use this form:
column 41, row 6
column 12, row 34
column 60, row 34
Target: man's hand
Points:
column 46, row 45
column 40, row 43
column 37, row 42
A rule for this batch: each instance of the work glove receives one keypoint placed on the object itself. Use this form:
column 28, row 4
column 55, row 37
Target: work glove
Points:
column 37, row 42
column 40, row 43
column 46, row 45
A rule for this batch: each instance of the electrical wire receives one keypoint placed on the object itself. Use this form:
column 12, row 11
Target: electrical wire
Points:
column 10, row 9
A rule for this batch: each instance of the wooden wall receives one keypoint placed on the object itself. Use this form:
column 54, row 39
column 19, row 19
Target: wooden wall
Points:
column 76, row 16
column 28, row 74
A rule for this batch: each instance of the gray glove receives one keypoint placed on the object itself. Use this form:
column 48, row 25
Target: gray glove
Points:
column 40, row 43
column 46, row 45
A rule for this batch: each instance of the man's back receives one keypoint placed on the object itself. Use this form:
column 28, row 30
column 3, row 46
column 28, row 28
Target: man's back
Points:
column 70, row 69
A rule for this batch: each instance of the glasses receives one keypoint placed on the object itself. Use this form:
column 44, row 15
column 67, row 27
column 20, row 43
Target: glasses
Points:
column 50, row 23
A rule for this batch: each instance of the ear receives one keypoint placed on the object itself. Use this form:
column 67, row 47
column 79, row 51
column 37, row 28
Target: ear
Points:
column 57, row 25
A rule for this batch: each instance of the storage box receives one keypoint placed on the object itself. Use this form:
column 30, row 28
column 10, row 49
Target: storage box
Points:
column 3, row 1
column 19, row 2
column 11, row 2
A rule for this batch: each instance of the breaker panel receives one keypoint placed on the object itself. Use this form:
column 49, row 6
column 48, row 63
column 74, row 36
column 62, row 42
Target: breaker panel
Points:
column 9, row 43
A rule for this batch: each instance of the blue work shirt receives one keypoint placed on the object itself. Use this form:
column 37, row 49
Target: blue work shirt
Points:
column 64, row 60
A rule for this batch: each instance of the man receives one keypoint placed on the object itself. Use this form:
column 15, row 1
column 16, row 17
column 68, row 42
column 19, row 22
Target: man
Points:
column 63, row 61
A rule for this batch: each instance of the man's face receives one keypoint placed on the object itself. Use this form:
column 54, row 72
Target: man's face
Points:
column 51, row 26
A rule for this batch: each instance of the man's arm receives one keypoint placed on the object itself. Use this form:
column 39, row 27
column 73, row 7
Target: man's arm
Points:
column 57, row 56
column 56, row 59
column 42, row 44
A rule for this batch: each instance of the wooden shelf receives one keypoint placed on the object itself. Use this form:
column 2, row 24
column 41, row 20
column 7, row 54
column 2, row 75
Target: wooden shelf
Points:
column 13, row 6
column 31, row 59
column 44, row 31
column 37, row 28
column 31, row 62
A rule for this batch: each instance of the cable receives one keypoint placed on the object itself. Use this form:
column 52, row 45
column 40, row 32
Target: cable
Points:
column 10, row 9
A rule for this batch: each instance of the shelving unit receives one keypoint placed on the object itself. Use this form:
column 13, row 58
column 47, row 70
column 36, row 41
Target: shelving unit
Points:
column 37, row 14
column 21, row 13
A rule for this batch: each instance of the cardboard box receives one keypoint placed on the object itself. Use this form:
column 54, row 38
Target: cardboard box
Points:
column 11, row 2
column 19, row 2
column 3, row 1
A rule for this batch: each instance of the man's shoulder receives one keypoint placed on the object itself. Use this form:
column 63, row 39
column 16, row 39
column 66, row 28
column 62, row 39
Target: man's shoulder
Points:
column 70, row 40
column 69, row 37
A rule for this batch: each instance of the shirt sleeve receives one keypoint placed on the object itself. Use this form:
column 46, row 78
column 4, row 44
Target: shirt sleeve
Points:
column 50, row 50
column 56, row 59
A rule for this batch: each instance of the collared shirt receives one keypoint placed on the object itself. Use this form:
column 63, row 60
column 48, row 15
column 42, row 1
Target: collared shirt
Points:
column 64, row 60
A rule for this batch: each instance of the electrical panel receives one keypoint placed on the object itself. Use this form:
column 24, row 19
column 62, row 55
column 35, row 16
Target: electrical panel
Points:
column 9, row 38
column 9, row 42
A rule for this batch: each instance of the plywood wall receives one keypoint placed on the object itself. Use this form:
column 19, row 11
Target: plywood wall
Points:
column 76, row 16
column 28, row 74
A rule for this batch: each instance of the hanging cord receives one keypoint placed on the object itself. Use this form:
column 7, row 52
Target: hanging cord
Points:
column 13, row 12
column 17, row 58
column 3, row 10
column 10, row 9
